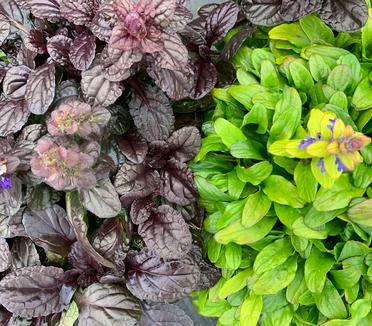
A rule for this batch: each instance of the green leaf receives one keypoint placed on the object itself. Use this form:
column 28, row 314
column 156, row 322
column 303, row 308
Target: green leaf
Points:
column 70, row 315
column 360, row 309
column 318, row 68
column 300, row 229
column 254, row 174
column 352, row 249
column 282, row 191
column 292, row 33
column 273, row 255
column 329, row 302
column 244, row 93
column 307, row 185
column 214, row 309
column 250, row 310
column 235, row 185
column 286, row 214
column 232, row 212
column 367, row 38
column 287, row 115
column 297, row 287
column 316, row 268
column 315, row 219
column 269, row 75
column 239, row 234
column 282, row 317
column 213, row 250
column 229, row 133
column 233, row 255
column 257, row 116
column 255, row 209
column 340, row 78
column 245, row 78
column 210, row 191
column 361, row 213
column 339, row 196
column 236, row 283
column 211, row 143
column 329, row 54
column 316, row 30
column 249, row 149
column 301, row 76
column 260, row 55
column 276, row 279
column 362, row 98
column 340, row 100
column 347, row 277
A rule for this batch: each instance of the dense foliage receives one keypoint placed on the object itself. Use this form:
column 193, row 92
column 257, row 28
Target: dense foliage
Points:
column 284, row 175
column 98, row 222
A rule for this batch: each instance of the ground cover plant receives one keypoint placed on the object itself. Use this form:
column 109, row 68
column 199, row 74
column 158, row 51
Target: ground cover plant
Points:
column 284, row 174
column 96, row 199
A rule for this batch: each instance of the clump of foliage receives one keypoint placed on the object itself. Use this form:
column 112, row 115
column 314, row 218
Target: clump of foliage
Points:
column 96, row 199
column 284, row 175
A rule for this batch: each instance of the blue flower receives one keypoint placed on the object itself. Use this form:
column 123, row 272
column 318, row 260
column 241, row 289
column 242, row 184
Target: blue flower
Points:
column 332, row 124
column 340, row 166
column 6, row 183
column 321, row 165
column 306, row 142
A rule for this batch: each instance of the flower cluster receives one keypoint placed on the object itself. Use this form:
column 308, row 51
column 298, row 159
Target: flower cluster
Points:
column 76, row 117
column 333, row 146
column 148, row 27
column 63, row 168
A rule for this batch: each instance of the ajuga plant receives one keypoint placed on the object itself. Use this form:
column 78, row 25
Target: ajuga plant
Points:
column 96, row 199
column 285, row 178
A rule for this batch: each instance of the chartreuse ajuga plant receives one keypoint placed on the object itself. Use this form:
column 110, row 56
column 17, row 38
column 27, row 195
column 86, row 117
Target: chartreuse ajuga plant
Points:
column 284, row 173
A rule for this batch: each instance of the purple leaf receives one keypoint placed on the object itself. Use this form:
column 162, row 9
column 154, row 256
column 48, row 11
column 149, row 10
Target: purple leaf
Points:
column 263, row 12
column 176, row 83
column 40, row 89
column 109, row 238
column 86, row 265
column 152, row 115
column 36, row 42
column 185, row 143
column 102, row 200
column 11, row 199
column 104, row 21
column 116, row 63
column 236, row 41
column 158, row 154
column 24, row 254
column 178, row 185
column 107, row 304
column 76, row 215
column 11, row 226
column 4, row 28
column 58, row 48
column 205, row 78
column 133, row 146
column 344, row 16
column 220, row 21
column 49, row 228
column 38, row 286
column 14, row 115
column 293, row 9
column 207, row 9
column 82, row 51
column 48, row 9
column 5, row 256
column 140, row 210
column 135, row 181
column 174, row 56
column 79, row 12
column 150, row 277
column 97, row 89
column 166, row 233
column 162, row 314
column 14, row 84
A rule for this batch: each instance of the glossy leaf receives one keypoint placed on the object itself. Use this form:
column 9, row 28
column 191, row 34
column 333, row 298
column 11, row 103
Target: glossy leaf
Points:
column 82, row 51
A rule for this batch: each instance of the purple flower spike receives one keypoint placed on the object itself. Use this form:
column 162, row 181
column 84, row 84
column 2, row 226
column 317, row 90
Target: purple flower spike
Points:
column 340, row 166
column 332, row 124
column 306, row 142
column 321, row 165
column 6, row 183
